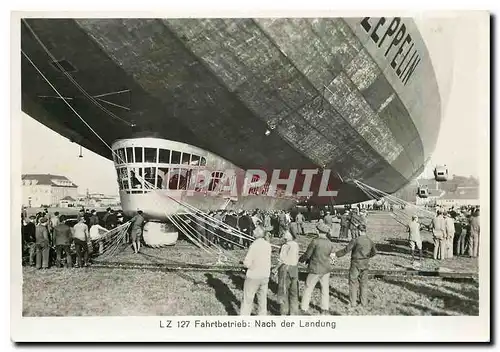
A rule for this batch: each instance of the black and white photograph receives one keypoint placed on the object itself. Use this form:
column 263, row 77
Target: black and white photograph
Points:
column 296, row 174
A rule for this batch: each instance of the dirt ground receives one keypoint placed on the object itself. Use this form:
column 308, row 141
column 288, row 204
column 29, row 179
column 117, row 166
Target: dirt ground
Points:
column 106, row 292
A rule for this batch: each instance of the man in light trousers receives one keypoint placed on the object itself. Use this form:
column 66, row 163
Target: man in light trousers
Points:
column 439, row 232
column 317, row 256
column 258, row 263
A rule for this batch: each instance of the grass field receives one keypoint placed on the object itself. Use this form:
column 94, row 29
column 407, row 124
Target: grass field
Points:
column 115, row 292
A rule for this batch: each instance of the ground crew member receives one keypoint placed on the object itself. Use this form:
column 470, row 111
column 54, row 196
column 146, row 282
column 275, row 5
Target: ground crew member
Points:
column 219, row 217
column 62, row 241
column 94, row 219
column 111, row 220
column 95, row 233
column 355, row 221
column 328, row 220
column 81, row 238
column 438, row 227
column 231, row 220
column 414, row 237
column 136, row 233
column 258, row 264
column 299, row 219
column 282, row 223
column 344, row 225
column 288, row 275
column 81, row 214
column 450, row 234
column 317, row 256
column 42, row 244
column 362, row 249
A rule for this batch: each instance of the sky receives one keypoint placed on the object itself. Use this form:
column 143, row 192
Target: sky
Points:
column 454, row 50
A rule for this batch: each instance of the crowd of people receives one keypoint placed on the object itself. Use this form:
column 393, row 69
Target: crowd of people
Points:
column 51, row 239
column 274, row 222
column 48, row 239
column 456, row 232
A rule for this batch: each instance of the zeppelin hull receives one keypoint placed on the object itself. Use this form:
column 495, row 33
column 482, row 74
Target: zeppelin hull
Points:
column 261, row 93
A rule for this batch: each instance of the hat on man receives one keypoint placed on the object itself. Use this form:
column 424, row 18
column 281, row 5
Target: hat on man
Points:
column 323, row 228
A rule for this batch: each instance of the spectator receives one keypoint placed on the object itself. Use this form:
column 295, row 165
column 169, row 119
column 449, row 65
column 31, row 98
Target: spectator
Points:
column 474, row 235
column 62, row 241
column 42, row 244
column 81, row 239
column 414, row 237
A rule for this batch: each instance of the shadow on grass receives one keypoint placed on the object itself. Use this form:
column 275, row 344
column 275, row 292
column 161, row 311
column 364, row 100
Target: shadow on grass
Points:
column 423, row 309
column 223, row 294
column 451, row 302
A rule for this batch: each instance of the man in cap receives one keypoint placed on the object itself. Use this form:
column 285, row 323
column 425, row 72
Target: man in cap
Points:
column 317, row 256
column 288, row 275
column 81, row 239
column 62, row 241
column 111, row 220
column 362, row 249
column 42, row 244
column 258, row 264
column 105, row 217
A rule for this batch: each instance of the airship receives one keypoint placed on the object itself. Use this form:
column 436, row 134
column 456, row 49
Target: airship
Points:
column 327, row 100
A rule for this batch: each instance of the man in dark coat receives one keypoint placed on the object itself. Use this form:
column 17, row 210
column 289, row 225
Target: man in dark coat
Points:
column 355, row 221
column 362, row 249
column 94, row 219
column 246, row 226
column 317, row 256
column 111, row 220
column 62, row 240
column 29, row 239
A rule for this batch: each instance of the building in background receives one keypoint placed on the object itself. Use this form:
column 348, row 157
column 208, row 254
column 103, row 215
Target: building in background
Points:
column 67, row 202
column 97, row 200
column 46, row 189
column 463, row 196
